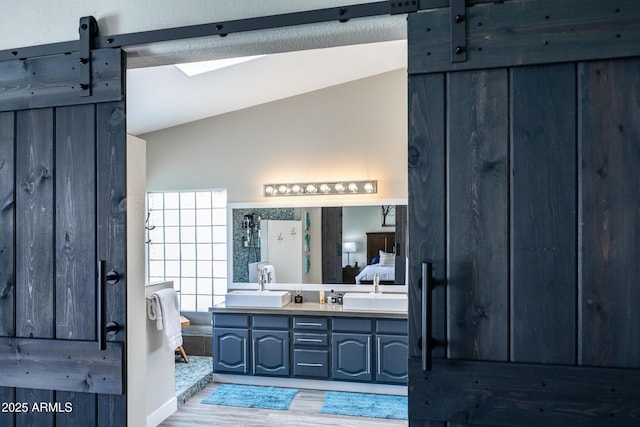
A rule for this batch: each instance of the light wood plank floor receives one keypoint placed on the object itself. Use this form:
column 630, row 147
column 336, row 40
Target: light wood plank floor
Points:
column 304, row 411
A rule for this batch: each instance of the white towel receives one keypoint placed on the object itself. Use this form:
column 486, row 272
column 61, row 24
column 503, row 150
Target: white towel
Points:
column 269, row 272
column 162, row 306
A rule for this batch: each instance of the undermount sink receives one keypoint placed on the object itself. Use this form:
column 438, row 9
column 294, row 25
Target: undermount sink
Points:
column 270, row 299
column 375, row 302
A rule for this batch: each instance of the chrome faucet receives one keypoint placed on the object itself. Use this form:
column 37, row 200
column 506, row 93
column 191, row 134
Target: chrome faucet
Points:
column 376, row 283
column 261, row 281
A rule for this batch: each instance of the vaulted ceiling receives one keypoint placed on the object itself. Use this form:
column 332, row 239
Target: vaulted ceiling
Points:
column 164, row 96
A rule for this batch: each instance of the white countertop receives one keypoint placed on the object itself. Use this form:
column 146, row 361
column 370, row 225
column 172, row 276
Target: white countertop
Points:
column 309, row 309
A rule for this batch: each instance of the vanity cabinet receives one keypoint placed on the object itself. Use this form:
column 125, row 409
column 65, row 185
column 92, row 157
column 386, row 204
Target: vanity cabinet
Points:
column 310, row 347
column 351, row 357
column 231, row 344
column 351, row 353
column 270, row 345
column 270, row 353
column 392, row 351
column 314, row 347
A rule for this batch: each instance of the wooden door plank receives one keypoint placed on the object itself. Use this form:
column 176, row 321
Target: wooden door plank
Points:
column 75, row 244
column 543, row 214
column 34, row 202
column 7, row 236
column 426, row 218
column 609, row 144
column 75, row 223
column 32, row 417
column 7, row 279
column 48, row 364
column 426, row 212
column 526, row 32
column 35, row 288
column 83, row 409
column 477, row 392
column 111, row 204
column 54, row 81
column 111, row 231
column 477, row 227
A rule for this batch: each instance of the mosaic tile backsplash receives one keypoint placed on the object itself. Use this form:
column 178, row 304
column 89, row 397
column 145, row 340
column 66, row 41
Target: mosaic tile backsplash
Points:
column 243, row 255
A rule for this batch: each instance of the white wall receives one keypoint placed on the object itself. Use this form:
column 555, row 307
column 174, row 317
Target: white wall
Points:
column 136, row 309
column 159, row 385
column 353, row 131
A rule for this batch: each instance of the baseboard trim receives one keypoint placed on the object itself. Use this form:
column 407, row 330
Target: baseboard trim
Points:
column 162, row 413
column 397, row 390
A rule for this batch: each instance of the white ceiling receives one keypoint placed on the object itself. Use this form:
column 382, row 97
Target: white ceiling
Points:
column 162, row 97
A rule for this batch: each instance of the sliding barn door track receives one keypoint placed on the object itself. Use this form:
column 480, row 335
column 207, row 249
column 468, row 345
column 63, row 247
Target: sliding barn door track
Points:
column 341, row 14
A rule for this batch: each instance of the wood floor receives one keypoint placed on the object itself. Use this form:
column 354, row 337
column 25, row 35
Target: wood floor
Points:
column 304, row 411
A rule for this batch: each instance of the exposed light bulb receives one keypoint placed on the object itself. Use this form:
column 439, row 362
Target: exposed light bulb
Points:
column 324, row 188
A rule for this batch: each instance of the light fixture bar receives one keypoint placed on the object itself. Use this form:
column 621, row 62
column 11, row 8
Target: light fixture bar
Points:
column 320, row 188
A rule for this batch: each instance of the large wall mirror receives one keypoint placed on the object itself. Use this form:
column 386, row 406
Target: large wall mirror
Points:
column 328, row 245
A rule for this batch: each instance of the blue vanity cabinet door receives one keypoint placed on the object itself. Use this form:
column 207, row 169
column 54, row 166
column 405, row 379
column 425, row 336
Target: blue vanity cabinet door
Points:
column 231, row 350
column 351, row 357
column 270, row 345
column 392, row 351
column 270, row 353
column 392, row 356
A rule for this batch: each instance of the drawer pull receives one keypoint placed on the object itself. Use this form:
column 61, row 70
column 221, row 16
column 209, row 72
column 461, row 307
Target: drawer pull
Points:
column 314, row 365
column 309, row 340
column 308, row 324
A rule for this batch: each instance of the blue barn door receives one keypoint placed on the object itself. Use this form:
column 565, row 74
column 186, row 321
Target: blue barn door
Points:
column 524, row 214
column 62, row 239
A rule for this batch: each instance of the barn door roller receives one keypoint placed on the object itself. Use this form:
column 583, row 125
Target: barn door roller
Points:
column 458, row 31
column 88, row 31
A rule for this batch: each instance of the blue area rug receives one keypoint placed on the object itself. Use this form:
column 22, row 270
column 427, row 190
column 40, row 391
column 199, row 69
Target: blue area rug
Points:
column 252, row 396
column 365, row 405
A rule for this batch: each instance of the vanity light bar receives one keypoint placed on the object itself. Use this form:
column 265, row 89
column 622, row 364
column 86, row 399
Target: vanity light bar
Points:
column 320, row 188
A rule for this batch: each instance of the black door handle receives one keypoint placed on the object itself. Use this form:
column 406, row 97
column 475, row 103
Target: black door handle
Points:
column 104, row 327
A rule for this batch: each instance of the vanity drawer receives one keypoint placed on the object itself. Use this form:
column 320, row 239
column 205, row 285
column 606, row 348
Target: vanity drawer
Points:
column 230, row 321
column 310, row 323
column 270, row 322
column 311, row 363
column 347, row 324
column 316, row 340
column 391, row 327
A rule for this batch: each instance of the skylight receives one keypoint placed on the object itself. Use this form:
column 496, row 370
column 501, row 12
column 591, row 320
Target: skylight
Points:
column 195, row 68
